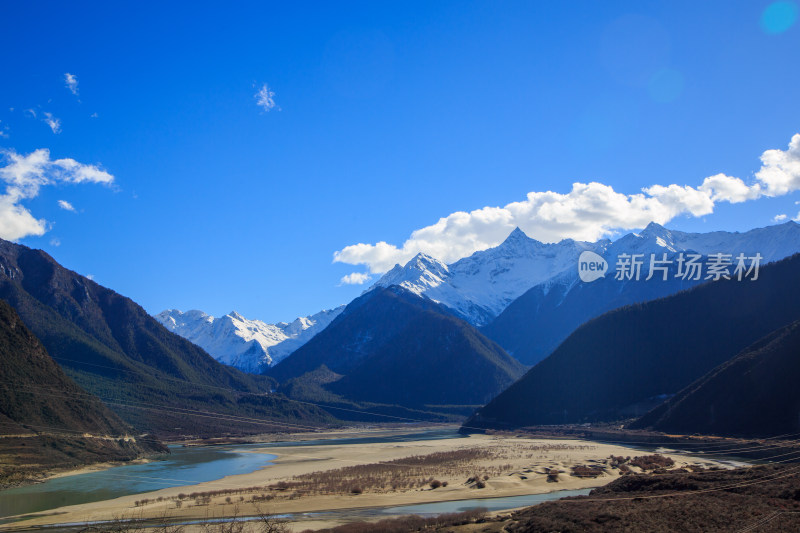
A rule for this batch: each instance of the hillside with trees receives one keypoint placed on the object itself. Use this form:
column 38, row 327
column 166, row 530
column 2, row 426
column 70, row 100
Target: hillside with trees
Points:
column 46, row 419
column 153, row 379
column 627, row 361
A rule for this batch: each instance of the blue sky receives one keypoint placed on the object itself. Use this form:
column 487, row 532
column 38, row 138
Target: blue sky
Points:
column 387, row 117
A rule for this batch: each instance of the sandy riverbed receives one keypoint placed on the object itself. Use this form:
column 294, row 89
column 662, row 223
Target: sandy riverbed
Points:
column 514, row 466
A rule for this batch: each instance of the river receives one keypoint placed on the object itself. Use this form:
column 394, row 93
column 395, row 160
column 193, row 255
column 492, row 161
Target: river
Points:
column 184, row 466
column 192, row 465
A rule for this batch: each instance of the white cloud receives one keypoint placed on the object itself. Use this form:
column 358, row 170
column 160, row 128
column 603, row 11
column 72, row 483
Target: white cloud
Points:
column 3, row 131
column 53, row 122
column 265, row 98
column 780, row 170
column 66, row 206
column 355, row 278
column 17, row 222
column 587, row 212
column 71, row 171
column 722, row 188
column 72, row 83
column 779, row 218
column 55, row 242
column 25, row 175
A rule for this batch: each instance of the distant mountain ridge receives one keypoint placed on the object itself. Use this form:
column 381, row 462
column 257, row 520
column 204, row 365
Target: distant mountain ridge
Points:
column 523, row 294
column 249, row 345
column 482, row 286
column 532, row 326
column 477, row 288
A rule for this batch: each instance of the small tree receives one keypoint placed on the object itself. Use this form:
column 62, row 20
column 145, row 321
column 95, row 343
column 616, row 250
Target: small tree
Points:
column 268, row 523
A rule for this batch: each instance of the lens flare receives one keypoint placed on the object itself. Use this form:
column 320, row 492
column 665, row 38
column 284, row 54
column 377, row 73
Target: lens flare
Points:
column 779, row 17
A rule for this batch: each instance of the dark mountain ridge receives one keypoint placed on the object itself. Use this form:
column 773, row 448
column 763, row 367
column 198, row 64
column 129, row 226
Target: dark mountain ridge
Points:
column 393, row 347
column 626, row 361
column 754, row 394
column 534, row 324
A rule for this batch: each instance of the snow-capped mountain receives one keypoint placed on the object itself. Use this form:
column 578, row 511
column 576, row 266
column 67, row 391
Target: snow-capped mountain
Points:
column 480, row 286
column 534, row 324
column 772, row 242
column 539, row 278
column 249, row 345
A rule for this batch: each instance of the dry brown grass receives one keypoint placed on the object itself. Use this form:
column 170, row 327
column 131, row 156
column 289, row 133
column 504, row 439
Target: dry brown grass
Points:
column 263, row 522
column 406, row 524
column 469, row 466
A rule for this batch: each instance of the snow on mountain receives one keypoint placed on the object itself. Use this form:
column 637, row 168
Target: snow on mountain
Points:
column 772, row 242
column 249, row 345
column 479, row 287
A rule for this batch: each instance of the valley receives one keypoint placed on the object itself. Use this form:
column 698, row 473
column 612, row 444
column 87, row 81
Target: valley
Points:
column 408, row 399
column 400, row 267
column 357, row 472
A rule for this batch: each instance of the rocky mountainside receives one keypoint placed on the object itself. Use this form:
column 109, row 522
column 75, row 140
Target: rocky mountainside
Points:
column 46, row 419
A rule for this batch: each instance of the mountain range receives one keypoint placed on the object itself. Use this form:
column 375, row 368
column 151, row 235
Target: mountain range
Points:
column 152, row 378
column 523, row 294
column 629, row 360
column 249, row 345
column 532, row 326
column 477, row 288
column 428, row 340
